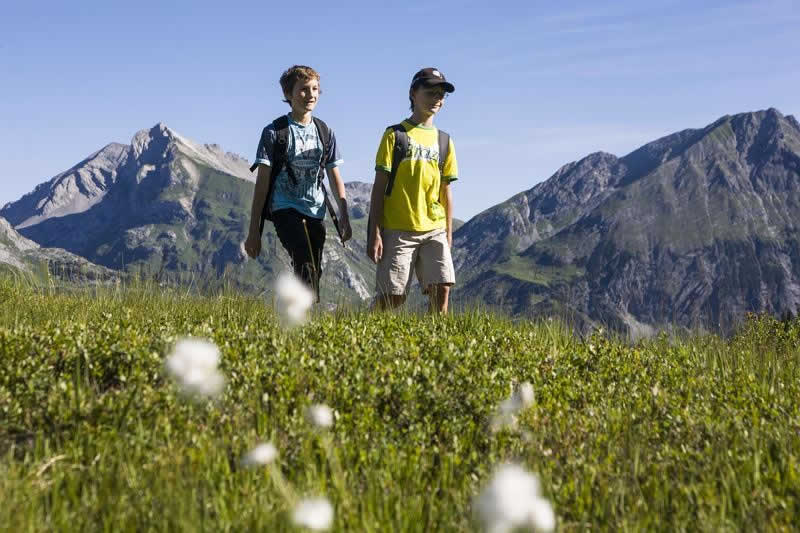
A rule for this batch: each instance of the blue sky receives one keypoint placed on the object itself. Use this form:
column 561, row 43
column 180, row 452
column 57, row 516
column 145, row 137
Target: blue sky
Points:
column 538, row 84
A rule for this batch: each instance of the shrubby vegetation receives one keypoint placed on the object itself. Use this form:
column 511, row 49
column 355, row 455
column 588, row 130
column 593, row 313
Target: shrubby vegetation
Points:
column 668, row 434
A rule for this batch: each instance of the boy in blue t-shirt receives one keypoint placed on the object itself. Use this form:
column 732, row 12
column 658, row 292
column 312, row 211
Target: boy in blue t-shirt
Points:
column 295, row 202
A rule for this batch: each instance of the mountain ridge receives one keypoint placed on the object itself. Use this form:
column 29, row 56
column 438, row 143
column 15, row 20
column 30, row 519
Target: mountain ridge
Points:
column 172, row 206
column 623, row 240
column 693, row 229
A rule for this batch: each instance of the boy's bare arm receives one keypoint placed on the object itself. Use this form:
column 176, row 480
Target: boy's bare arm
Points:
column 447, row 194
column 253, row 243
column 374, row 241
column 337, row 187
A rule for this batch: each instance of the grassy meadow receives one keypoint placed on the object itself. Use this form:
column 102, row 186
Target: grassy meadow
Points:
column 695, row 434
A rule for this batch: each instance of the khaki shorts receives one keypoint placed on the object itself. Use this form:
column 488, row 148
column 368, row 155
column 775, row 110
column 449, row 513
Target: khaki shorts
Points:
column 426, row 252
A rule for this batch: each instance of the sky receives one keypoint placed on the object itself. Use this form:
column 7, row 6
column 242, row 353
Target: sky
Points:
column 538, row 84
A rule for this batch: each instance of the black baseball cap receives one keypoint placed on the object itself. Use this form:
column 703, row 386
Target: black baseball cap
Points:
column 432, row 76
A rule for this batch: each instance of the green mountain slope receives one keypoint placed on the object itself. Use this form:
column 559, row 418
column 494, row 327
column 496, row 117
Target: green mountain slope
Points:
column 695, row 230
column 179, row 210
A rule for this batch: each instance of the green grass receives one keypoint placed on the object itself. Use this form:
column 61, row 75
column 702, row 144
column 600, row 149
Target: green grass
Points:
column 527, row 269
column 670, row 435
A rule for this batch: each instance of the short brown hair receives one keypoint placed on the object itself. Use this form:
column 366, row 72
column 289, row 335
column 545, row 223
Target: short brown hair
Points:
column 293, row 75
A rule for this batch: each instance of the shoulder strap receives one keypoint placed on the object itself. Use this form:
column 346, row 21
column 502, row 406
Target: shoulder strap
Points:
column 324, row 133
column 444, row 149
column 278, row 158
column 281, row 148
column 398, row 153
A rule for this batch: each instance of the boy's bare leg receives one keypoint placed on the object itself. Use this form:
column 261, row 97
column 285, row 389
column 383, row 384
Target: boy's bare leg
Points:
column 390, row 301
column 439, row 295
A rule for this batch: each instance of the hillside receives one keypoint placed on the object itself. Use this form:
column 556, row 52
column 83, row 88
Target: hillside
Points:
column 695, row 230
column 174, row 208
column 24, row 255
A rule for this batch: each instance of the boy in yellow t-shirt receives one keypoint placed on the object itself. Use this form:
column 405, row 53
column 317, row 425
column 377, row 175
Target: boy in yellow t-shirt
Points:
column 411, row 210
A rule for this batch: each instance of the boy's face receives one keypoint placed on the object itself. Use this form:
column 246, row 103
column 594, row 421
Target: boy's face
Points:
column 304, row 95
column 428, row 100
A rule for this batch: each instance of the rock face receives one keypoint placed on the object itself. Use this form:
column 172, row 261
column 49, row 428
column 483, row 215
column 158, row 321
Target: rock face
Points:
column 169, row 206
column 13, row 246
column 73, row 191
column 693, row 230
column 25, row 255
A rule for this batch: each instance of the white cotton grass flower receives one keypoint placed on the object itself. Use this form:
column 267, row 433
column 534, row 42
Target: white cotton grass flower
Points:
column 293, row 298
column 524, row 395
column 505, row 415
column 512, row 500
column 320, row 416
column 262, row 454
column 313, row 513
column 542, row 517
column 193, row 365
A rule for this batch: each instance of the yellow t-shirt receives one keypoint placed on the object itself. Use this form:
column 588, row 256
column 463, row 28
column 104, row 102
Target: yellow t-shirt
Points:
column 414, row 203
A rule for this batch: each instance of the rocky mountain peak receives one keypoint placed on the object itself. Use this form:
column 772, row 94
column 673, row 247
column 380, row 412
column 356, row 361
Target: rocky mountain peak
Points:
column 694, row 229
column 585, row 177
column 155, row 141
column 160, row 144
column 73, row 191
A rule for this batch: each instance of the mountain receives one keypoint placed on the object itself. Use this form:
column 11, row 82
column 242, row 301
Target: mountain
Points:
column 692, row 230
column 172, row 207
column 25, row 255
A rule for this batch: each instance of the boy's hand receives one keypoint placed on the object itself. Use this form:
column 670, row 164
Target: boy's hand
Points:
column 253, row 245
column 450, row 237
column 344, row 222
column 375, row 248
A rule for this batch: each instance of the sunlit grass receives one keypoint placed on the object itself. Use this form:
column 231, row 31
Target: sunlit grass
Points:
column 693, row 434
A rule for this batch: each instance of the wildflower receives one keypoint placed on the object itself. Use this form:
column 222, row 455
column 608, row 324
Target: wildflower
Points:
column 193, row 365
column 293, row 298
column 542, row 517
column 506, row 413
column 524, row 395
column 320, row 416
column 511, row 500
column 316, row 514
column 262, row 454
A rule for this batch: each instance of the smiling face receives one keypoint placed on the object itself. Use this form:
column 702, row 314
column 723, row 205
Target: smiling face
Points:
column 427, row 100
column 304, row 95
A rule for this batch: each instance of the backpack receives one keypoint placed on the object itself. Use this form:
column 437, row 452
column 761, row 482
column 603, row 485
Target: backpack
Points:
column 401, row 148
column 280, row 156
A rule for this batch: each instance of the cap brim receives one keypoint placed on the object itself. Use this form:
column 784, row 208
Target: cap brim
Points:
column 449, row 87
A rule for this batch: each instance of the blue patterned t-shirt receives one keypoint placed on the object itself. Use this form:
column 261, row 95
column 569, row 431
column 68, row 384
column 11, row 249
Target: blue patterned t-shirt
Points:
column 303, row 154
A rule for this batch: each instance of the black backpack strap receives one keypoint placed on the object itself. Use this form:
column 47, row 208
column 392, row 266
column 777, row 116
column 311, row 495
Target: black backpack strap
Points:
column 398, row 153
column 278, row 159
column 324, row 133
column 281, row 155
